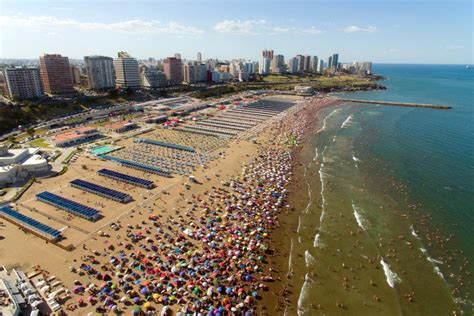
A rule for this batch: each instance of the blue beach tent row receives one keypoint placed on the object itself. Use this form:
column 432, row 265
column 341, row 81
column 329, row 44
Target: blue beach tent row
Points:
column 137, row 165
column 163, row 144
column 125, row 178
column 72, row 207
column 28, row 222
column 101, row 191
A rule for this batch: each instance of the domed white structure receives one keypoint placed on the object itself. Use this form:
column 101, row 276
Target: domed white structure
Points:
column 19, row 164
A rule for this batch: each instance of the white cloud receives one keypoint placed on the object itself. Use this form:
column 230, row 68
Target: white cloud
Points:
column 258, row 27
column 355, row 29
column 128, row 26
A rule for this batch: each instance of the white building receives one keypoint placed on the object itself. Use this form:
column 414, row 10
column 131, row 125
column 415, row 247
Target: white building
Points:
column 126, row 71
column 19, row 164
column 320, row 66
column 199, row 57
column 100, row 72
column 151, row 78
column 264, row 65
column 23, row 83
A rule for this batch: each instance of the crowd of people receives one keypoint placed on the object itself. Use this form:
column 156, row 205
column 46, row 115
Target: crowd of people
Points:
column 210, row 259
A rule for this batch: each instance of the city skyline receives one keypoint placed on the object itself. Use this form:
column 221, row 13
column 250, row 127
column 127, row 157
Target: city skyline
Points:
column 394, row 32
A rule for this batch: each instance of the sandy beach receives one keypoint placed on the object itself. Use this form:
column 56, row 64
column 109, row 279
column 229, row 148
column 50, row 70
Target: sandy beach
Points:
column 192, row 247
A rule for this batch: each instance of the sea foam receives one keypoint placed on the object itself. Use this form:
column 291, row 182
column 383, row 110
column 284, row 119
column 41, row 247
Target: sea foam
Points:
column 290, row 259
column 413, row 233
column 304, row 292
column 436, row 269
column 361, row 221
column 308, row 259
column 325, row 120
column 347, row 121
column 317, row 241
column 392, row 277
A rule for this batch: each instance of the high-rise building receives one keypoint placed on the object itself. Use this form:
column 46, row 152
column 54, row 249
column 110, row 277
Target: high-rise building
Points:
column 314, row 63
column 320, row 66
column 151, row 78
column 126, row 71
column 264, row 65
column 335, row 61
column 293, row 65
column 329, row 62
column 199, row 57
column 23, row 83
column 301, row 63
column 56, row 74
column 76, row 74
column 177, row 56
column 307, row 63
column 201, row 72
column 268, row 54
column 249, row 67
column 100, row 72
column 173, row 70
column 189, row 72
column 278, row 64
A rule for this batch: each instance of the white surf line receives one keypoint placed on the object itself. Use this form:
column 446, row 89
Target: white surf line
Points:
column 299, row 224
column 434, row 262
column 310, row 199
column 392, row 277
column 325, row 120
column 290, row 260
column 361, row 221
column 316, row 154
column 308, row 259
column 317, row 237
column 413, row 233
column 317, row 241
column 347, row 121
column 303, row 295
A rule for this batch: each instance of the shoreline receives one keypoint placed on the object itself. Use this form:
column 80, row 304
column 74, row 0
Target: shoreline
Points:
column 195, row 221
column 276, row 299
column 286, row 240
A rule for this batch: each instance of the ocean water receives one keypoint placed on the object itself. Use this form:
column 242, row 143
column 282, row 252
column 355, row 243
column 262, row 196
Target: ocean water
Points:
column 386, row 217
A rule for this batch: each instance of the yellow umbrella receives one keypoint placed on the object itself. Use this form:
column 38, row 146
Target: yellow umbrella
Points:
column 147, row 305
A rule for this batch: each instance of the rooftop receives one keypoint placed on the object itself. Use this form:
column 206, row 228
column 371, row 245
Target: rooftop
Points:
column 73, row 134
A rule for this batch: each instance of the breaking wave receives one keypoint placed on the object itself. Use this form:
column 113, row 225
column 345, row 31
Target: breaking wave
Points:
column 303, row 295
column 392, row 277
column 308, row 259
column 347, row 121
column 361, row 221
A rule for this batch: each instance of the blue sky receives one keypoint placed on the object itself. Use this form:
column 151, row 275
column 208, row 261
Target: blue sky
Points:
column 381, row 31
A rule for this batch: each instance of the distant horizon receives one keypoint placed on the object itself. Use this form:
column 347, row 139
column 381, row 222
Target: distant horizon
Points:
column 395, row 31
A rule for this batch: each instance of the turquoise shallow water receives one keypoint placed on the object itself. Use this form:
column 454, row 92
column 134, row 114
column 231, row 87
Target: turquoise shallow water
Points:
column 387, row 192
column 430, row 152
